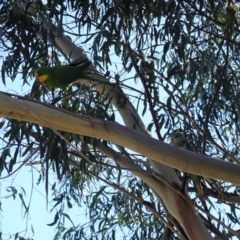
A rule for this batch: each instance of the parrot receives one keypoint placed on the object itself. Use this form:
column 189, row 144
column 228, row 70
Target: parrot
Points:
column 61, row 76
column 178, row 139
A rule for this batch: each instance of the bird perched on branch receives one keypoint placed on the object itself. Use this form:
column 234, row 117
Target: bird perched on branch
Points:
column 63, row 75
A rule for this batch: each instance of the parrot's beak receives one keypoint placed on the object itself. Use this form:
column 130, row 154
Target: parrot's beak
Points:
column 41, row 79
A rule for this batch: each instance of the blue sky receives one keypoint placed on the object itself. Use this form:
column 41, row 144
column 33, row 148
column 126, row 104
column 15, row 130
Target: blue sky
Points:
column 13, row 217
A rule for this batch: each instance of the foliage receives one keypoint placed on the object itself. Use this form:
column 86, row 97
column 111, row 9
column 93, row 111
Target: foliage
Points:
column 182, row 56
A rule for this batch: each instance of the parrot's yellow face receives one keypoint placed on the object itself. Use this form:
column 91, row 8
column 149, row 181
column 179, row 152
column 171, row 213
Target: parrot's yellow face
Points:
column 41, row 78
column 177, row 139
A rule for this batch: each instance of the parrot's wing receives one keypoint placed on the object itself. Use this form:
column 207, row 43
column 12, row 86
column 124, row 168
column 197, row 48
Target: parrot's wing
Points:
column 80, row 64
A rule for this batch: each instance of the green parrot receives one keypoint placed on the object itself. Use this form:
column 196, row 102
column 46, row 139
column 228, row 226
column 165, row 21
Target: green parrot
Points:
column 179, row 140
column 61, row 76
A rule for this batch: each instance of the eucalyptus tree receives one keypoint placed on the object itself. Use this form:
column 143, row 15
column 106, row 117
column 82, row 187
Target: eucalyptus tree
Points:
column 156, row 67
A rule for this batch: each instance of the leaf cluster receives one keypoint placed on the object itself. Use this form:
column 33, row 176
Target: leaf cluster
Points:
column 178, row 60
